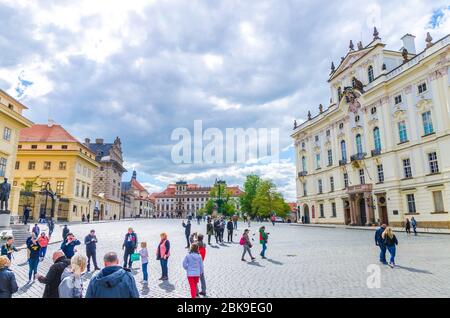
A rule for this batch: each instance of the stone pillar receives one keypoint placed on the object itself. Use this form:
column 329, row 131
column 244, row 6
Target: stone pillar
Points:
column 370, row 212
column 352, row 204
column 14, row 198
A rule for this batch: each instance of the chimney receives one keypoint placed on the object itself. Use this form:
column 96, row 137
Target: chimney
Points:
column 87, row 141
column 99, row 141
column 408, row 43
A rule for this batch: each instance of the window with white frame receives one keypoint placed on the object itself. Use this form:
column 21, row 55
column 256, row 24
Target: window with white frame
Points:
column 380, row 173
column 411, row 203
column 438, row 201
column 402, row 132
column 422, row 88
column 345, row 179
column 322, row 212
column 407, row 168
column 318, row 161
column 370, row 74
column 362, row 178
column 398, row 99
column 320, row 186
column 427, row 123
column 3, row 162
column 333, row 209
column 332, row 184
column 7, row 134
column 433, row 162
column 330, row 157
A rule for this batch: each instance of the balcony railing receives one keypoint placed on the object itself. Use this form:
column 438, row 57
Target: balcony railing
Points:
column 376, row 152
column 358, row 156
column 342, row 162
column 302, row 174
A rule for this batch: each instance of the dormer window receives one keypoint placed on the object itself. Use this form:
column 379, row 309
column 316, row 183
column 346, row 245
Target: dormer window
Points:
column 398, row 99
column 373, row 110
column 10, row 106
column 422, row 88
column 370, row 74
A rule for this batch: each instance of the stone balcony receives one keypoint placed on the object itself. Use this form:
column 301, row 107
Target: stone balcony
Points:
column 358, row 156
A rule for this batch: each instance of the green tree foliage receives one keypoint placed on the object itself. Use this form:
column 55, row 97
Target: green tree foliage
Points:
column 250, row 186
column 268, row 201
column 220, row 195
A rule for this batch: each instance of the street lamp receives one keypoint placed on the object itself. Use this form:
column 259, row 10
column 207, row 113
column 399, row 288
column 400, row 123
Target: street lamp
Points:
column 47, row 190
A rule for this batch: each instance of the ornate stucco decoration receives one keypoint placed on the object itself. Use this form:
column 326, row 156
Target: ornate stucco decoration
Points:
column 424, row 104
column 351, row 96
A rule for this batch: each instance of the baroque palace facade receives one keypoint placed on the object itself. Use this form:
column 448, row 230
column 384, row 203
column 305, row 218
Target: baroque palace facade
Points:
column 377, row 153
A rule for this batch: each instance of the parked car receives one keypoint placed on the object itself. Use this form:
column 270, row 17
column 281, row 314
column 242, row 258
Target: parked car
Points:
column 279, row 219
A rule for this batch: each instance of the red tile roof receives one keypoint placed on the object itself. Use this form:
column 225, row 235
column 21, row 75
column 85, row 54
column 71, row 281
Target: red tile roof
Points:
column 135, row 184
column 44, row 133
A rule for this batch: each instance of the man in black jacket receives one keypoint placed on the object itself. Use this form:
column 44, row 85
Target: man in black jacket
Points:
column 53, row 278
column 91, row 250
column 65, row 232
column 187, row 232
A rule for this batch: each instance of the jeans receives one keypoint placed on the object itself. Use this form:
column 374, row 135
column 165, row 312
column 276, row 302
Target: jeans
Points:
column 235, row 225
column 382, row 253
column 203, row 283
column 33, row 265
column 164, row 269
column 264, row 247
column 217, row 235
column 127, row 258
column 230, row 236
column 91, row 254
column 144, row 271
column 193, row 281
column 42, row 251
column 209, row 238
column 415, row 232
column 187, row 239
column 391, row 250
column 246, row 250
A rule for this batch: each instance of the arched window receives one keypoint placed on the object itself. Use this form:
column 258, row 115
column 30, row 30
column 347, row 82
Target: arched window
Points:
column 376, row 138
column 343, row 151
column 304, row 163
column 358, row 143
column 370, row 74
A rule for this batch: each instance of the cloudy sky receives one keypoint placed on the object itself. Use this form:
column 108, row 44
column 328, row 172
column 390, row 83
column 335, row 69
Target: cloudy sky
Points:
column 139, row 69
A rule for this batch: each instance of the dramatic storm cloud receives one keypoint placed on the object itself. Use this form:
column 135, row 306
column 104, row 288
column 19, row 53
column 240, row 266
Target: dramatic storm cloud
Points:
column 140, row 69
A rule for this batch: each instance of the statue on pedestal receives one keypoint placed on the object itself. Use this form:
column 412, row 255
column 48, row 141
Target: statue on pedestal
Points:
column 5, row 189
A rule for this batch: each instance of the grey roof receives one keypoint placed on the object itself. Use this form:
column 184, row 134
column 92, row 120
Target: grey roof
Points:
column 100, row 149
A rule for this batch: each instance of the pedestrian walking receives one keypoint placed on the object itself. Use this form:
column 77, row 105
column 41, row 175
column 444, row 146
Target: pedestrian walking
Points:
column 129, row 245
column 65, row 231
column 33, row 258
column 193, row 265
column 187, row 231
column 414, row 225
column 202, row 252
column 71, row 285
column 246, row 244
column 26, row 214
column 263, row 237
column 223, row 225
column 91, row 250
column 144, row 261
column 8, row 284
column 217, row 230
column 8, row 248
column 112, row 281
column 209, row 230
column 408, row 226
column 88, row 217
column 115, row 216
column 83, row 218
column 379, row 241
column 249, row 221
column 390, row 240
column 43, row 242
column 230, row 227
column 68, row 245
column 199, row 218
column 235, row 221
column 162, row 255
column 53, row 277
column 36, row 230
column 51, row 228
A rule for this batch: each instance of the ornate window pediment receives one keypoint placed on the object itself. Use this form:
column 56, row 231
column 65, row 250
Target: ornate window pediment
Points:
column 424, row 104
column 399, row 114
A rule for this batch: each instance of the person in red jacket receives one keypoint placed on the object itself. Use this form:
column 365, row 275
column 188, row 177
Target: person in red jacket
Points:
column 202, row 252
column 43, row 242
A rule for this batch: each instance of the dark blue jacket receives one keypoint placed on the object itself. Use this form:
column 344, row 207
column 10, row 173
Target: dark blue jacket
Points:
column 112, row 282
column 187, row 228
column 8, row 284
column 378, row 239
column 68, row 249
column 130, row 241
column 91, row 245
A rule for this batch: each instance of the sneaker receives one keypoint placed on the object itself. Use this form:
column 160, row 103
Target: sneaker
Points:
column 243, row 260
column 144, row 282
column 97, row 269
column 253, row 258
column 202, row 293
column 165, row 278
column 391, row 265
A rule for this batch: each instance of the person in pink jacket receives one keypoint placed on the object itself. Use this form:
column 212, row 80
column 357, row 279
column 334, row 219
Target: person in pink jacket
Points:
column 162, row 254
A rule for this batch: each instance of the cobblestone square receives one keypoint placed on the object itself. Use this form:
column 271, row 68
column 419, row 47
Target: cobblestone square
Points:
column 302, row 262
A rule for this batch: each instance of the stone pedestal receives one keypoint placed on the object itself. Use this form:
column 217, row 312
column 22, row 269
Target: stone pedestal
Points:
column 5, row 219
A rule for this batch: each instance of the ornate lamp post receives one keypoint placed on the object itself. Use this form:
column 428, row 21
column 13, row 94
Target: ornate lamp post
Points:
column 220, row 194
column 47, row 191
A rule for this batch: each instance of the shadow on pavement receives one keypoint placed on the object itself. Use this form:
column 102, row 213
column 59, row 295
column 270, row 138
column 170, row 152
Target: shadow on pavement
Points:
column 274, row 261
column 254, row 263
column 145, row 290
column 168, row 287
column 24, row 288
column 414, row 270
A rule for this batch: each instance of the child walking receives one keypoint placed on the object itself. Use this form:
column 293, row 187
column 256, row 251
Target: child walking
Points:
column 144, row 259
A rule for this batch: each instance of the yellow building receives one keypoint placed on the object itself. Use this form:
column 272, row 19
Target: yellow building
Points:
column 11, row 122
column 48, row 154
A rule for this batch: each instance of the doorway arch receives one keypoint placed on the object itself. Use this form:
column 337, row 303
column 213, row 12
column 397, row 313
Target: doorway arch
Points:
column 306, row 214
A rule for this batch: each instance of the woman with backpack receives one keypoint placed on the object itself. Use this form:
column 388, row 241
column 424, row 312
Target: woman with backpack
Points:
column 246, row 244
column 390, row 241
column 71, row 285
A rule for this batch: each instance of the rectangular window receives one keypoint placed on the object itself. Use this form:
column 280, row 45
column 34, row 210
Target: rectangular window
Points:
column 305, row 190
column 49, row 147
column 82, row 190
column 330, row 157
column 427, row 123
column 47, row 165
column 411, row 203
column 33, row 146
column 88, row 189
column 422, row 88
column 398, row 99
column 322, row 212
column 362, row 178
column 402, row 133
column 64, row 147
column 407, row 168
column 3, row 162
column 62, row 165
column 318, row 161
column 320, row 186
column 79, row 168
column 77, row 189
column 332, row 184
column 432, row 160
column 17, row 165
column 346, row 180
column 380, row 173
column 438, row 201
column 328, row 133
column 7, row 134
column 60, row 187
column 316, row 138
column 32, row 165
column 333, row 209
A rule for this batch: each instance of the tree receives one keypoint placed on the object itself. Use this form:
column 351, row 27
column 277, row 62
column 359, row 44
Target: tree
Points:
column 268, row 201
column 209, row 207
column 250, row 186
column 221, row 196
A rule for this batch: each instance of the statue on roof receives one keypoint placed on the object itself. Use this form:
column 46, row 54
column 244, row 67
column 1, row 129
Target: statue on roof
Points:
column 351, row 46
column 375, row 34
column 429, row 40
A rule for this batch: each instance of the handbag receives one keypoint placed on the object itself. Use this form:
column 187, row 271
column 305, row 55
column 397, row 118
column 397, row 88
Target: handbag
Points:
column 135, row 257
